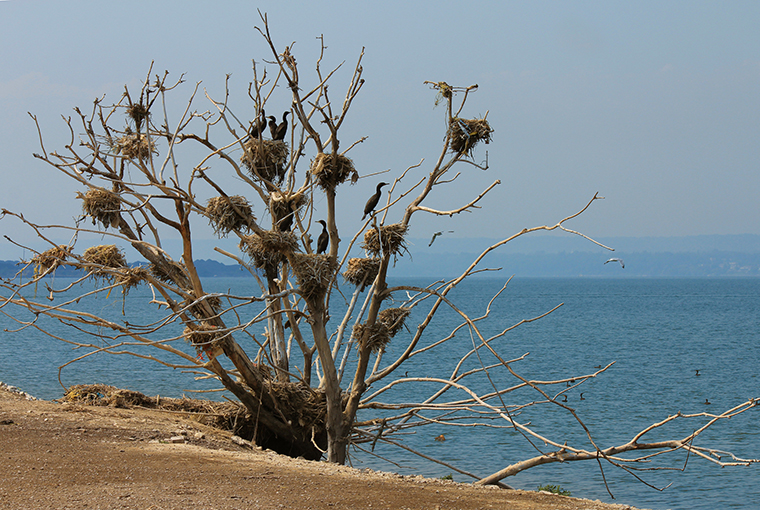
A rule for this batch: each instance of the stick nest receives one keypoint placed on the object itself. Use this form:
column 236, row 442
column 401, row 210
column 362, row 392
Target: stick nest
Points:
column 135, row 146
column 389, row 322
column 284, row 206
column 49, row 259
column 464, row 134
column 199, row 310
column 390, row 240
column 202, row 335
column 267, row 248
column 265, row 159
column 229, row 213
column 362, row 271
column 300, row 403
column 101, row 205
column 106, row 255
column 222, row 415
column 331, row 170
column 314, row 273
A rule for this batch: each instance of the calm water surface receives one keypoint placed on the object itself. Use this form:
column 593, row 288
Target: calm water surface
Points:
column 658, row 332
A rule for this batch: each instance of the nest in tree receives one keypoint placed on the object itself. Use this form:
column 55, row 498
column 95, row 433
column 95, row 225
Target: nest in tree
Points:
column 330, row 170
column 261, row 256
column 49, row 259
column 464, row 134
column 106, row 255
column 169, row 272
column 390, row 240
column 362, row 271
column 202, row 335
column 131, row 277
column 222, row 415
column 300, row 403
column 135, row 146
column 389, row 322
column 139, row 113
column 101, row 205
column 199, row 310
column 284, row 207
column 265, row 159
column 393, row 319
column 314, row 273
column 229, row 213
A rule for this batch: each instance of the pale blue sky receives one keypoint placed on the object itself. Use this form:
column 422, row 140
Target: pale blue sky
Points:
column 655, row 105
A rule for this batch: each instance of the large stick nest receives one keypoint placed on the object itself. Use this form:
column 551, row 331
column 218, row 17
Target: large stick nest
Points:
column 49, row 259
column 106, row 255
column 389, row 322
column 222, row 415
column 464, row 134
column 284, row 206
column 265, row 159
column 314, row 273
column 330, row 170
column 267, row 248
column 300, row 403
column 229, row 213
column 390, row 240
column 135, row 146
column 101, row 205
column 362, row 271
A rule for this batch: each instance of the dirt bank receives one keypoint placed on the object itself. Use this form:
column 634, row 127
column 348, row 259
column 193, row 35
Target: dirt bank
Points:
column 71, row 456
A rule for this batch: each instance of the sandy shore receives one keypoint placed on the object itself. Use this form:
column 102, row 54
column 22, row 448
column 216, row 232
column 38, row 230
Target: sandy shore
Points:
column 71, row 456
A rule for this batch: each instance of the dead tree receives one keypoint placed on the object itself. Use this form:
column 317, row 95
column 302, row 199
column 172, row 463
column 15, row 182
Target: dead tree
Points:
column 127, row 157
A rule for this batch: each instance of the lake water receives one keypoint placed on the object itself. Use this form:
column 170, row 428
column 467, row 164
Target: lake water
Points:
column 658, row 331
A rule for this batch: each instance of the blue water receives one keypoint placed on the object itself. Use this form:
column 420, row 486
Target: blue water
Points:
column 657, row 331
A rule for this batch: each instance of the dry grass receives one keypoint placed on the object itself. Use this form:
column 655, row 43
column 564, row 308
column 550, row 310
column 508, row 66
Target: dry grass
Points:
column 106, row 255
column 171, row 272
column 262, row 258
column 101, row 205
column 466, row 133
column 229, row 213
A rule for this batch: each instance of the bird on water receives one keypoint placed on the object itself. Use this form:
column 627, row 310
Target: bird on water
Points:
column 373, row 200
column 324, row 238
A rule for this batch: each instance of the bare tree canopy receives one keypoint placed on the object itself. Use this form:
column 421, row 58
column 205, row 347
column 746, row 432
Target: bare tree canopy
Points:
column 311, row 380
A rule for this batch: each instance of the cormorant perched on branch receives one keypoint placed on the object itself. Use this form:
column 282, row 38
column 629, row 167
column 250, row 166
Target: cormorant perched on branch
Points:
column 324, row 238
column 258, row 126
column 272, row 126
column 282, row 128
column 373, row 200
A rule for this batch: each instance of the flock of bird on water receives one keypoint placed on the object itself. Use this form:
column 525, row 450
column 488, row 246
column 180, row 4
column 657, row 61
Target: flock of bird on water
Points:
column 278, row 132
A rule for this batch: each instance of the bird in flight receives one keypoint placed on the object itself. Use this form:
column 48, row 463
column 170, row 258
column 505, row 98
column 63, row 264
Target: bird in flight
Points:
column 436, row 235
column 622, row 264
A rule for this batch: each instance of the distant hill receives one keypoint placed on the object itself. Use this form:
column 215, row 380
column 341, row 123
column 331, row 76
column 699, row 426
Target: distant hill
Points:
column 554, row 256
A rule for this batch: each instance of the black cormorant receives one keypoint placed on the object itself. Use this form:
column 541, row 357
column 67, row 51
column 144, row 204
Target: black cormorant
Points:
column 324, row 238
column 272, row 126
column 258, row 126
column 373, row 200
column 282, row 128
column 285, row 223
